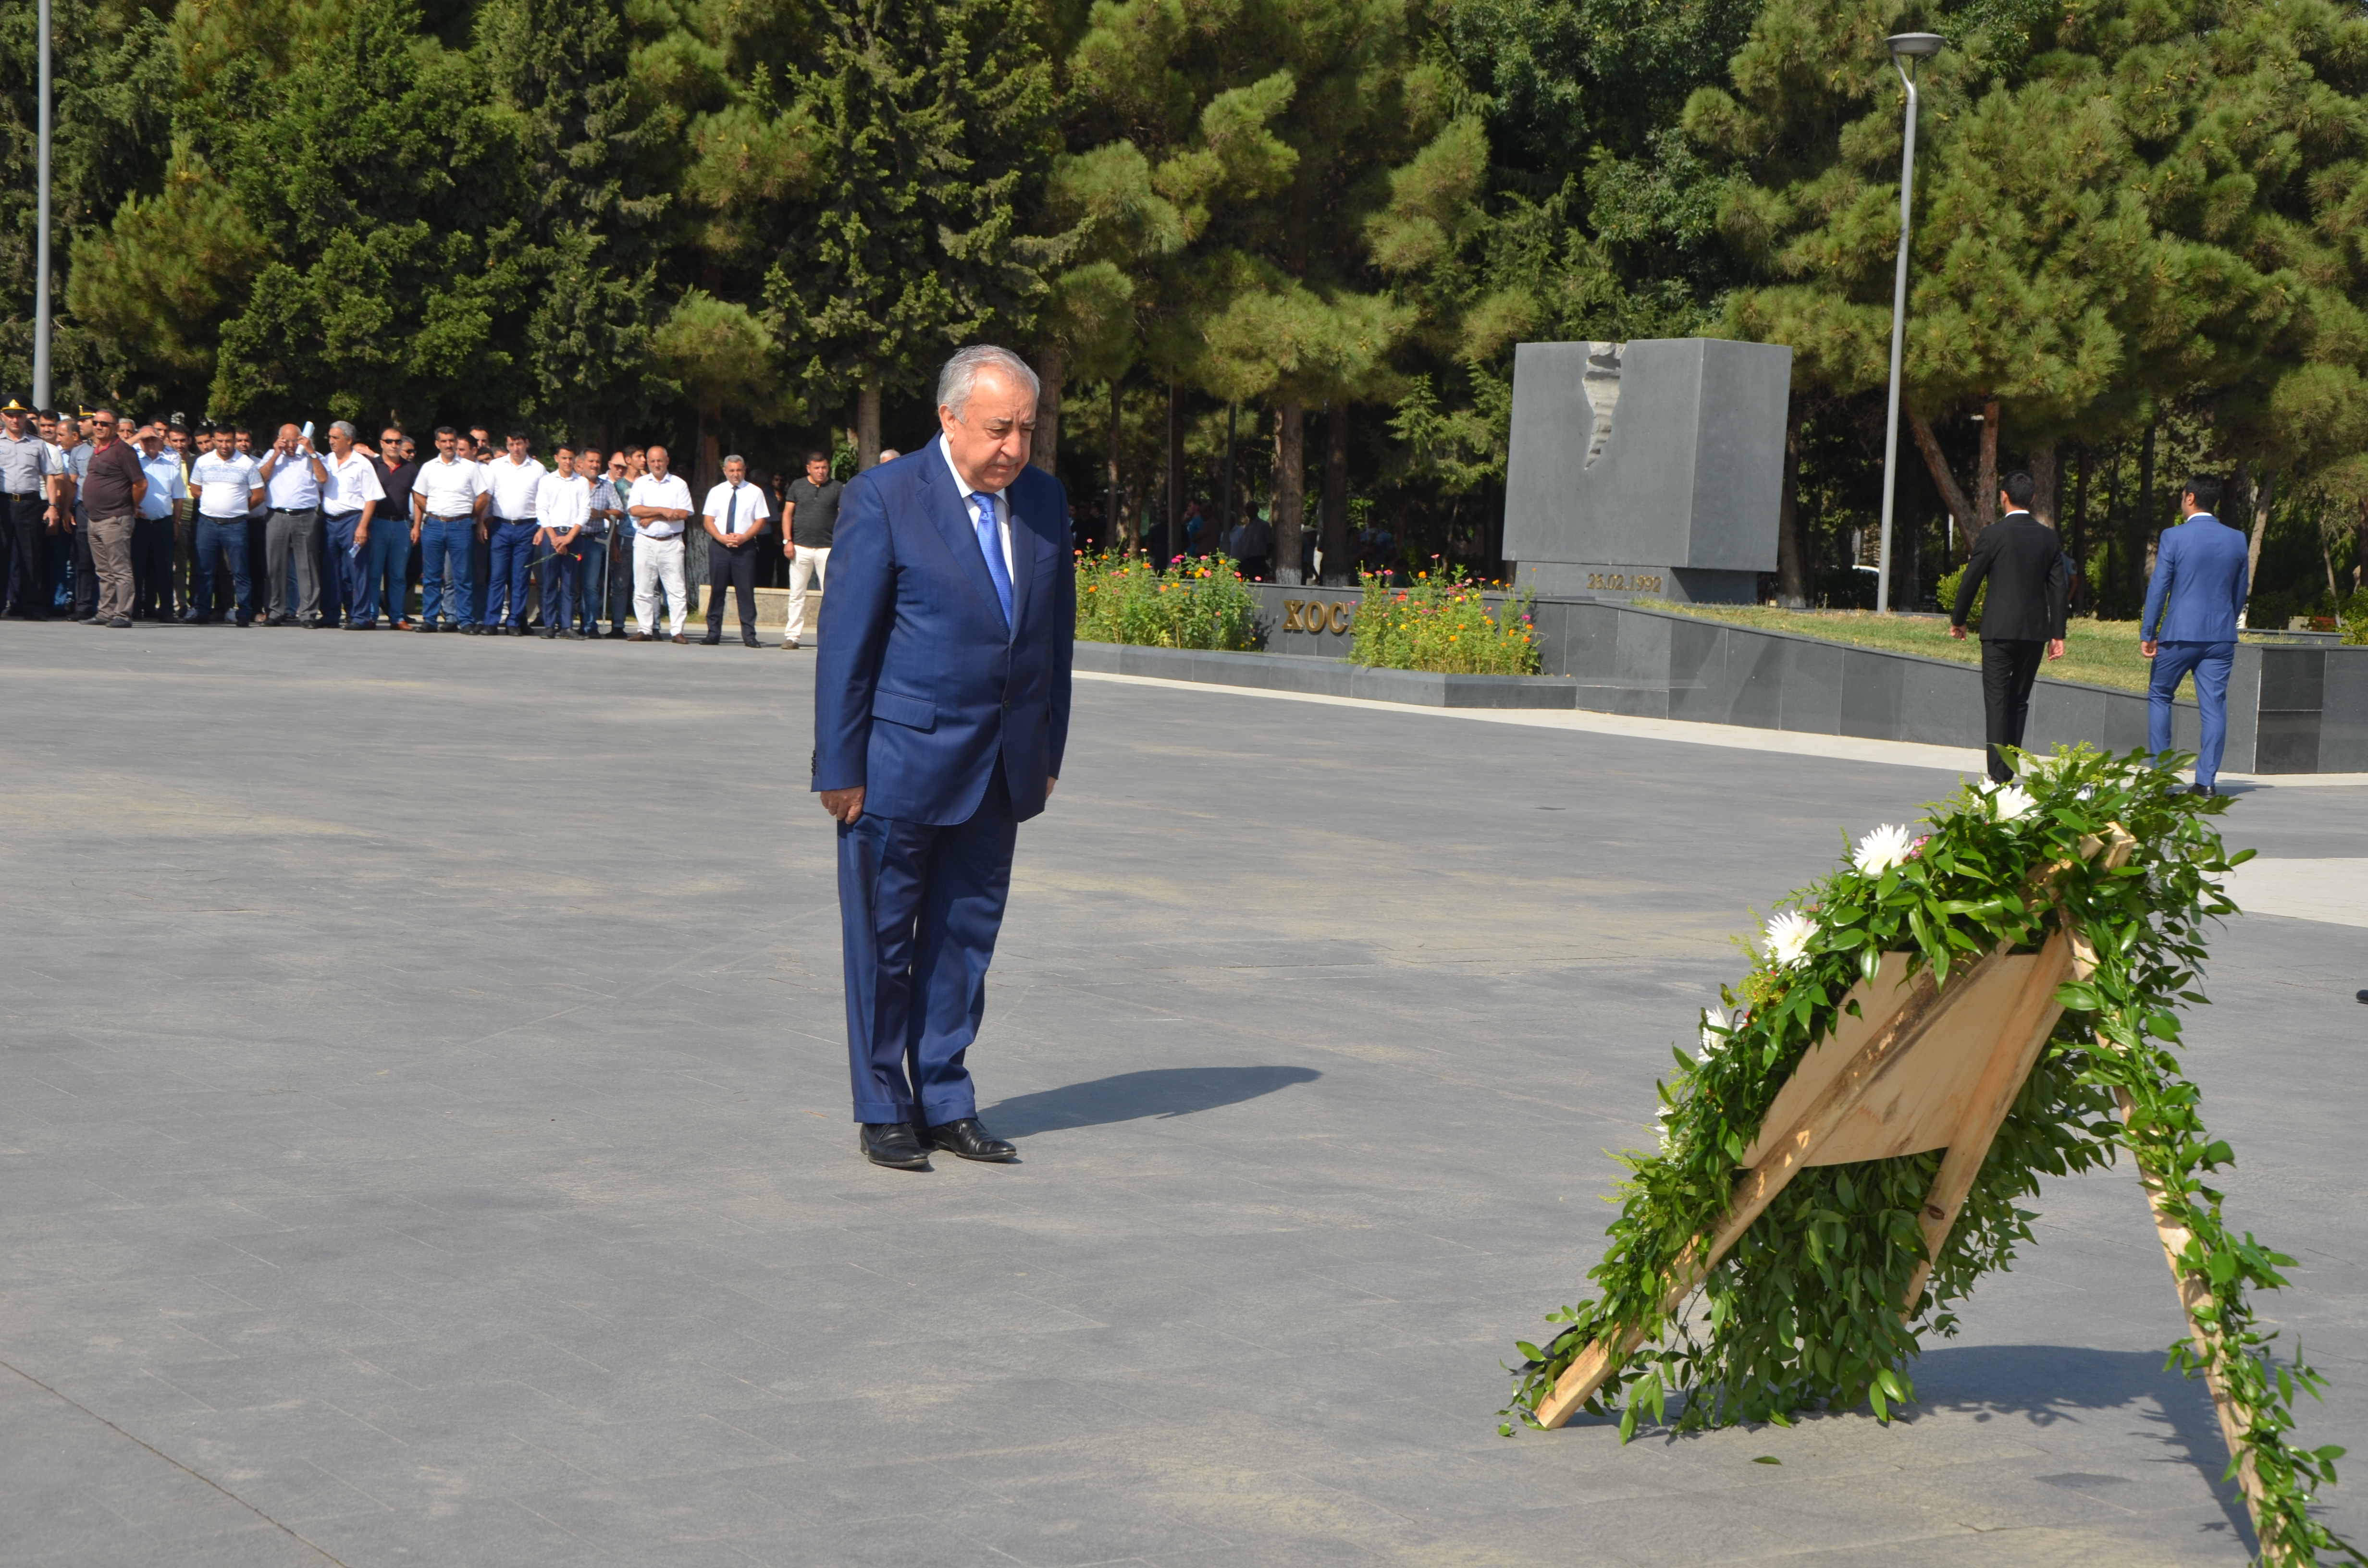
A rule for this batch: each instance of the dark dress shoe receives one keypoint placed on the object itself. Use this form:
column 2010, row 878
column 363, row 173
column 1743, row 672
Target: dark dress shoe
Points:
column 750, row 643
column 121, row 622
column 969, row 1140
column 680, row 638
column 708, row 642
column 891, row 1143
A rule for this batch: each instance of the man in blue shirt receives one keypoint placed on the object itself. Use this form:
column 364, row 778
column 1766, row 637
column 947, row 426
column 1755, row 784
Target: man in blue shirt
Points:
column 2200, row 567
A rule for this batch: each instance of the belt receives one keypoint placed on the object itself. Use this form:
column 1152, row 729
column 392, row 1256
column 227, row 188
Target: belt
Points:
column 22, row 494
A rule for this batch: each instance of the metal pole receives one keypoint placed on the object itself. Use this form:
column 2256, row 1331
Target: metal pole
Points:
column 42, row 244
column 1899, row 330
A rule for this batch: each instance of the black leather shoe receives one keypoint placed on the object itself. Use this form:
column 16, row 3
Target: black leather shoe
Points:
column 891, row 1143
column 750, row 643
column 969, row 1140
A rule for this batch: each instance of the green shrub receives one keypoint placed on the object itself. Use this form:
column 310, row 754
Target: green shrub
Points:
column 1946, row 591
column 1442, row 623
column 1196, row 603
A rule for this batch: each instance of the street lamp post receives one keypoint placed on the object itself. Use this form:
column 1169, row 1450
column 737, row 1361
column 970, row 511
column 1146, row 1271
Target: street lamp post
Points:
column 41, row 242
column 1907, row 49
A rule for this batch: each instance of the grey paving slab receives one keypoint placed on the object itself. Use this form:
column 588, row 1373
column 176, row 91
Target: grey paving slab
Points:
column 422, row 1121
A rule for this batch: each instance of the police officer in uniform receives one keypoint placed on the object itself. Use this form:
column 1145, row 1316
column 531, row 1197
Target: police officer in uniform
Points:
column 24, row 486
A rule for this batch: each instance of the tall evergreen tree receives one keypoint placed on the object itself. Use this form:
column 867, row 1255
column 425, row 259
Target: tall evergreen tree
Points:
column 934, row 122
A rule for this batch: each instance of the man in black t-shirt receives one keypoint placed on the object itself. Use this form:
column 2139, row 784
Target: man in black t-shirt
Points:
column 810, row 513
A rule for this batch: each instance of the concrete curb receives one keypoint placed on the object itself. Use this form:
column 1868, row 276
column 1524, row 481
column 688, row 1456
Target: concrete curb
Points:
column 1328, row 678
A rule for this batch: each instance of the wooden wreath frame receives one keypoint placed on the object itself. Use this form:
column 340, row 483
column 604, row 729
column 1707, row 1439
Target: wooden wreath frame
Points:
column 1912, row 1067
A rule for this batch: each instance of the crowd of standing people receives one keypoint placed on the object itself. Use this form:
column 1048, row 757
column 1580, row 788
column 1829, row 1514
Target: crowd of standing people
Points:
column 110, row 523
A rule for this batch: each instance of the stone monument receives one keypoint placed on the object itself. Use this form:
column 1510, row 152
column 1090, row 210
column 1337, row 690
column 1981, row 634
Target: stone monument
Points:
column 1652, row 468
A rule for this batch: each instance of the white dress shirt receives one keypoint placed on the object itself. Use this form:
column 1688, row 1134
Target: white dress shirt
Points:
column 165, row 484
column 224, row 484
column 562, row 501
column 970, row 513
column 450, row 486
column 351, row 482
column 512, row 486
column 292, row 488
column 651, row 491
column 735, row 516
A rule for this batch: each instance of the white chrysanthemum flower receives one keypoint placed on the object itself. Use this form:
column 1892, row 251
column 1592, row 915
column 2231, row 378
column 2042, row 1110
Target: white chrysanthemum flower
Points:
column 1713, row 1032
column 2013, row 800
column 1886, row 847
column 1787, row 937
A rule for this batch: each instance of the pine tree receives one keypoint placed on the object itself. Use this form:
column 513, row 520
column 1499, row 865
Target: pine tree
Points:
column 933, row 123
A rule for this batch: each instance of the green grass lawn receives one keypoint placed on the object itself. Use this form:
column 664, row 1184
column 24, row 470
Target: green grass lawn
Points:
column 2102, row 653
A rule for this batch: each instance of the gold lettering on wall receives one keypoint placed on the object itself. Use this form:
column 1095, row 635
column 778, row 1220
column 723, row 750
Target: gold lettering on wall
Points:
column 1638, row 582
column 1315, row 617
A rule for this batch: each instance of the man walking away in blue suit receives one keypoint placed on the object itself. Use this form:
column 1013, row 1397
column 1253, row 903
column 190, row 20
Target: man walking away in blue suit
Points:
column 941, row 712
column 2200, row 567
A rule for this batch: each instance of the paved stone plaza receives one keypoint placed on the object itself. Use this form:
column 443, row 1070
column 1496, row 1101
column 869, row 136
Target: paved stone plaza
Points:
column 424, row 1133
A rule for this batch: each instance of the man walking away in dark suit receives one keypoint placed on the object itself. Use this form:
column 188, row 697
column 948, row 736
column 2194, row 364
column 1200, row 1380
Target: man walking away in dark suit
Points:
column 2200, row 567
column 2023, row 564
column 941, row 710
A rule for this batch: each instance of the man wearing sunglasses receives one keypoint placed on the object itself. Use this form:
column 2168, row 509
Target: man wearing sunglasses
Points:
column 113, row 485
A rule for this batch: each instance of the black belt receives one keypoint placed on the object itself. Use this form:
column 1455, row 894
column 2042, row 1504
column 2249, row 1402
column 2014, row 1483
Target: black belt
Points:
column 23, row 494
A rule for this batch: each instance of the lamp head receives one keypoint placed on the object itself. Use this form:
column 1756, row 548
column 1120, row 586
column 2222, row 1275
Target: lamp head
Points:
column 1914, row 46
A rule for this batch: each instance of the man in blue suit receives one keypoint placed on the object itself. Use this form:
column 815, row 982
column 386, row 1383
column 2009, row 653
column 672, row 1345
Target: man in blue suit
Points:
column 2200, row 566
column 941, row 712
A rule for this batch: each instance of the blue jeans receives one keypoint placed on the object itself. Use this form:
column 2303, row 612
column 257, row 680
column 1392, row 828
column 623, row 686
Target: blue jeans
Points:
column 444, row 569
column 590, row 584
column 220, row 541
column 560, row 575
column 620, row 578
column 513, row 549
column 386, row 565
column 2211, row 662
column 345, row 568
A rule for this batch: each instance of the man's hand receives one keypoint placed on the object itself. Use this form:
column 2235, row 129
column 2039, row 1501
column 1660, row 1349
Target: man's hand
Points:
column 2056, row 648
column 2148, row 648
column 361, row 535
column 1958, row 633
column 844, row 804
column 787, row 548
column 1048, row 786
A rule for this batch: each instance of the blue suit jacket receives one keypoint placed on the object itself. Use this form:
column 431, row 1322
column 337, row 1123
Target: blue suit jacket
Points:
column 2200, row 566
column 918, row 686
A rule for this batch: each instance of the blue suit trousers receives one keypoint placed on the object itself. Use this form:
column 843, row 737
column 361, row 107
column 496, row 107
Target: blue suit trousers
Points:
column 513, row 553
column 2211, row 662
column 919, row 910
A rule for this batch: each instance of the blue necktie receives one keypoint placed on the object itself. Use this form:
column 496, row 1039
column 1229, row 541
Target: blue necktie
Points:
column 990, row 544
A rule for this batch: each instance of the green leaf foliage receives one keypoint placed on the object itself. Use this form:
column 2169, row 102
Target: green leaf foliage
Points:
column 1805, row 1313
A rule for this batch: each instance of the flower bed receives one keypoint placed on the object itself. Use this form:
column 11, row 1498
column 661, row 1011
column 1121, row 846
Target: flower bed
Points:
column 1198, row 602
column 1442, row 623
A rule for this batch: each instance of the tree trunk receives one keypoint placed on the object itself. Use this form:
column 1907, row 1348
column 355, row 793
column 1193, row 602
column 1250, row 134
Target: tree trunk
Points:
column 2080, row 519
column 1046, row 453
column 2148, row 532
column 867, row 425
column 2265, row 494
column 1122, row 527
column 2043, row 476
column 1937, row 461
column 2360, row 549
column 2326, row 559
column 1175, row 474
column 711, row 464
column 1793, row 582
column 1337, row 553
column 1289, row 509
column 1985, row 475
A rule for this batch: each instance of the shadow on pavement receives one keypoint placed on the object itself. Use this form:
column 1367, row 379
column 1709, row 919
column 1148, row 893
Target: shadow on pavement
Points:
column 1130, row 1097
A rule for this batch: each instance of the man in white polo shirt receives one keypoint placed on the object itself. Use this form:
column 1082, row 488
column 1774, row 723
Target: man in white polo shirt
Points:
column 445, row 500
column 227, row 487
column 563, row 506
column 659, row 505
column 735, row 515
column 292, row 474
column 511, row 479
column 349, row 500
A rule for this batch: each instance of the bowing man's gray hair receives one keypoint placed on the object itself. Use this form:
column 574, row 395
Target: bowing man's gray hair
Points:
column 961, row 373
column 343, row 428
